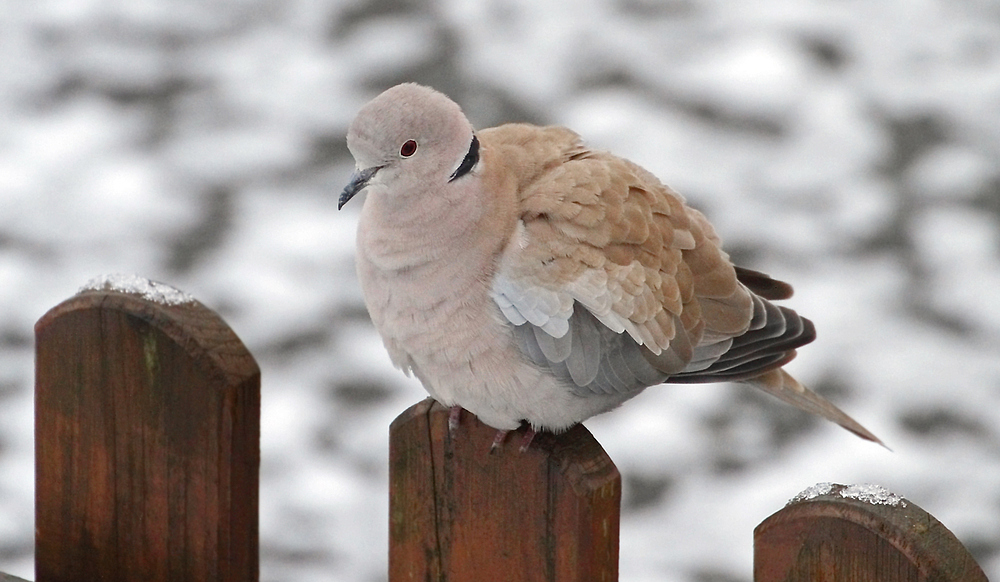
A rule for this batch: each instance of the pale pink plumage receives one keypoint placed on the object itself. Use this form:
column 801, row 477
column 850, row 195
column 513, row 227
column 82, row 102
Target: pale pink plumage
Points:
column 525, row 277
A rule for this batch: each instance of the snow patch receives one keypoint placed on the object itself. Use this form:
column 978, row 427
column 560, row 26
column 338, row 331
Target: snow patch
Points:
column 812, row 493
column 135, row 285
column 872, row 494
column 867, row 493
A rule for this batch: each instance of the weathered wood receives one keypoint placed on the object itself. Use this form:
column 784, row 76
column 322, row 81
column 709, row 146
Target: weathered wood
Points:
column 147, row 443
column 831, row 538
column 458, row 513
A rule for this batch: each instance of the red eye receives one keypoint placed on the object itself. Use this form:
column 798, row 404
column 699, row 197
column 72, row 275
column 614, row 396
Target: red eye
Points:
column 408, row 148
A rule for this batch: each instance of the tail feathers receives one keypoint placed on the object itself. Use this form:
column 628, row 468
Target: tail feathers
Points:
column 763, row 285
column 783, row 386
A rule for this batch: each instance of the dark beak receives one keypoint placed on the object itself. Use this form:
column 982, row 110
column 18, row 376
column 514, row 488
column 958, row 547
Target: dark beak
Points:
column 359, row 180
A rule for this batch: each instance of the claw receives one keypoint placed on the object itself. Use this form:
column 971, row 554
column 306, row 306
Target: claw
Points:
column 498, row 440
column 501, row 436
column 529, row 435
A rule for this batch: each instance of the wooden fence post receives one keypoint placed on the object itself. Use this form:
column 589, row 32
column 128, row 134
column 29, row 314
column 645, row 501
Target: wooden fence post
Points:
column 147, row 443
column 837, row 533
column 458, row 513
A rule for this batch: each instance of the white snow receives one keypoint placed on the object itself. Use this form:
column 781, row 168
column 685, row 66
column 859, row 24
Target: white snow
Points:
column 850, row 148
column 136, row 285
column 867, row 493
column 872, row 494
column 812, row 492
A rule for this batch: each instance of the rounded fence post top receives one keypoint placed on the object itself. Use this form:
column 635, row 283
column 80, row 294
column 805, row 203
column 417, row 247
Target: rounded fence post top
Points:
column 827, row 512
column 193, row 326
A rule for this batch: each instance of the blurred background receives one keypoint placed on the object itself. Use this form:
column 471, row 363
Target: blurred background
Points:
column 848, row 147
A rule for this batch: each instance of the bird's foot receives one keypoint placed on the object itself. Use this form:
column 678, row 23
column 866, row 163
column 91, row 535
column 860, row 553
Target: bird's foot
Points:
column 501, row 436
column 529, row 435
column 498, row 440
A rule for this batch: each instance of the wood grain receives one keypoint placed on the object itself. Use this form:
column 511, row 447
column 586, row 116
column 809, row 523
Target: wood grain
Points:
column 830, row 538
column 147, row 432
column 459, row 513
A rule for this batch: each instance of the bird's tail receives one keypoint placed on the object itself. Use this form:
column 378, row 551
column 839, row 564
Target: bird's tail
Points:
column 782, row 385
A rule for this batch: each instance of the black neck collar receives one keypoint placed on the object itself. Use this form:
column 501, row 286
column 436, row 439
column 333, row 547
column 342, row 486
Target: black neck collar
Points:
column 469, row 161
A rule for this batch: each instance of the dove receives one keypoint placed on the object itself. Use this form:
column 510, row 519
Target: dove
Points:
column 527, row 278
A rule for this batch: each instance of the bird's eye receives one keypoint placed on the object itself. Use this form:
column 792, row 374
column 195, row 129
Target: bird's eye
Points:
column 408, row 148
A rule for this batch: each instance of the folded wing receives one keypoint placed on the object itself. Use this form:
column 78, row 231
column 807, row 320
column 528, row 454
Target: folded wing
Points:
column 614, row 284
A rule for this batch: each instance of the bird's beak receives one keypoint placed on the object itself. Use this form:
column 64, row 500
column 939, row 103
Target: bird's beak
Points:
column 359, row 179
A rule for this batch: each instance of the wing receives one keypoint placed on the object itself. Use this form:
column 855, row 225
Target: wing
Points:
column 614, row 284
column 602, row 245
column 591, row 358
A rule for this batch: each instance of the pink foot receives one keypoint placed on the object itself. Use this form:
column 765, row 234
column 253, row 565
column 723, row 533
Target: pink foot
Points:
column 501, row 436
column 498, row 440
column 529, row 435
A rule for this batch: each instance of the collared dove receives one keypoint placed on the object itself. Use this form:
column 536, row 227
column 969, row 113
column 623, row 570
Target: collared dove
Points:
column 522, row 276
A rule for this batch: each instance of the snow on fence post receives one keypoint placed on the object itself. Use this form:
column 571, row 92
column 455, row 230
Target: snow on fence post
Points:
column 837, row 533
column 147, row 432
column 459, row 513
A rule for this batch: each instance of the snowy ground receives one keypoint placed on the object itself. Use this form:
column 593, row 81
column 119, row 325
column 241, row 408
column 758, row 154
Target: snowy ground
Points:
column 851, row 148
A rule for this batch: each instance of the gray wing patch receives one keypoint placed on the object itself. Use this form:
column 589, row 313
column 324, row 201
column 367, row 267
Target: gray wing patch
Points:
column 590, row 358
column 584, row 362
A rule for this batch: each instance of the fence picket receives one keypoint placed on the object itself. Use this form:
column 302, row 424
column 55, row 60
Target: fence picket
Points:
column 839, row 536
column 459, row 513
column 147, row 430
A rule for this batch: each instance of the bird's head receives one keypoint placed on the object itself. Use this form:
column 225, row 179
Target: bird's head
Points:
column 410, row 138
